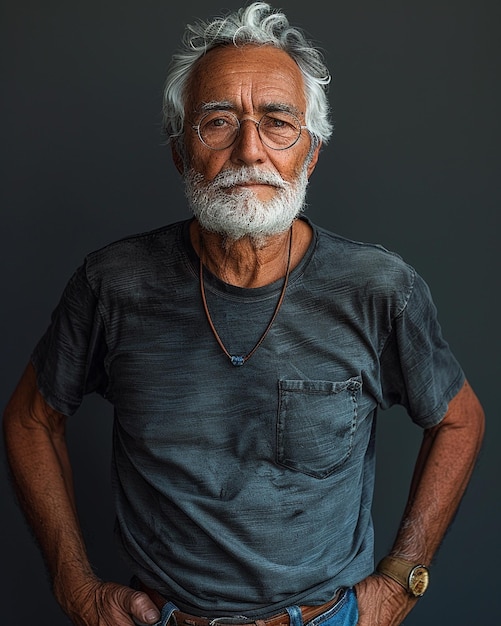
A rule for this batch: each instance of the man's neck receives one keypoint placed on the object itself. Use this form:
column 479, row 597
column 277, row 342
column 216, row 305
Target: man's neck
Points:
column 249, row 263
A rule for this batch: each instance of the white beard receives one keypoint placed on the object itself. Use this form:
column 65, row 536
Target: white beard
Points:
column 240, row 213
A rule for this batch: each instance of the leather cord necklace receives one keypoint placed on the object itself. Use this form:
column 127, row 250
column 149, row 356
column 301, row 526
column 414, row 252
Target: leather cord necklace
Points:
column 241, row 359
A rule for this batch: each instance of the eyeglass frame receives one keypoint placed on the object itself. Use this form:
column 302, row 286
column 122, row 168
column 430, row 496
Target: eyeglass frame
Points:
column 196, row 127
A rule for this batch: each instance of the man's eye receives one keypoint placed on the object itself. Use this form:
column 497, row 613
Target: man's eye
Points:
column 219, row 122
column 216, row 123
column 277, row 123
column 283, row 123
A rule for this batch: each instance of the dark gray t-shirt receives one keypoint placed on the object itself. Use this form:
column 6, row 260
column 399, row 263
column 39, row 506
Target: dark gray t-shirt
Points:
column 246, row 489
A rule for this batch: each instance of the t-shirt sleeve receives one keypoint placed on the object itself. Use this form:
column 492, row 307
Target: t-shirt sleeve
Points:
column 418, row 369
column 69, row 358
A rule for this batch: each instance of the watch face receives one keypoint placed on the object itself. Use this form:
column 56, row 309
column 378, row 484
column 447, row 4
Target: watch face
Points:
column 418, row 580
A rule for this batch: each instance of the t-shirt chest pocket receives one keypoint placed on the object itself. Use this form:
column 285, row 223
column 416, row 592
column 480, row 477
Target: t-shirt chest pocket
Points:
column 316, row 424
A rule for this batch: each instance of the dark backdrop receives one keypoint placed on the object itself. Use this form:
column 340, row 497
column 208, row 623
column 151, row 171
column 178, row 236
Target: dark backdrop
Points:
column 413, row 165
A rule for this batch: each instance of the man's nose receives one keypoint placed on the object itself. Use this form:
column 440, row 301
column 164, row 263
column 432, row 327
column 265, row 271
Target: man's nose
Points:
column 248, row 147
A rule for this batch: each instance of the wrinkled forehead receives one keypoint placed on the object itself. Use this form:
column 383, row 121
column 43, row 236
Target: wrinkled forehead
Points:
column 247, row 78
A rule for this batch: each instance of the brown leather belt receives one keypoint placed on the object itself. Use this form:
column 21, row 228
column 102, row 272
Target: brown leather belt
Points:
column 281, row 619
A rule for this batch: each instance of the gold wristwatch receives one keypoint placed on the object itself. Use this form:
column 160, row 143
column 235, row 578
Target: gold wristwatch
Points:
column 413, row 577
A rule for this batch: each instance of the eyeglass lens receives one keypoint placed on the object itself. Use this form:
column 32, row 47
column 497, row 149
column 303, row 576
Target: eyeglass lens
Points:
column 278, row 130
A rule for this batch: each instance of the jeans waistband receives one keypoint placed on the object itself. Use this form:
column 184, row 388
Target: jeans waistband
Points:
column 280, row 619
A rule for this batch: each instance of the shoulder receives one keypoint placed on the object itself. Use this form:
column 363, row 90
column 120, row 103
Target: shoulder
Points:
column 134, row 257
column 140, row 244
column 368, row 267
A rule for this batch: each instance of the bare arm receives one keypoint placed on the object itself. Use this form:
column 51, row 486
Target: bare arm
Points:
column 38, row 457
column 443, row 468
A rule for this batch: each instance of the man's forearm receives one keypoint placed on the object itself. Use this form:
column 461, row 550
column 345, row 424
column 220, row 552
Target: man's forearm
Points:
column 443, row 468
column 41, row 473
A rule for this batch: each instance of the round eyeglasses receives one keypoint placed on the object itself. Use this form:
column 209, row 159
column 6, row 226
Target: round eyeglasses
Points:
column 278, row 130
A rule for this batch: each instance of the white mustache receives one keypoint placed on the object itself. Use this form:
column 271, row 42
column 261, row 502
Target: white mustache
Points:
column 246, row 175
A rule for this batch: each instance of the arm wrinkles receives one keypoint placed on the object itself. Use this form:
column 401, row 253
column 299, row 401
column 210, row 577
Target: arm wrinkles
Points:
column 42, row 477
column 443, row 468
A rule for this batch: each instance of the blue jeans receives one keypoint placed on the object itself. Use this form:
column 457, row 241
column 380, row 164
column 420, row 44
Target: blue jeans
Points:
column 343, row 613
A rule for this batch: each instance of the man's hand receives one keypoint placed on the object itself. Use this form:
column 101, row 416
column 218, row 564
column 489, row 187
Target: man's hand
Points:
column 109, row 604
column 382, row 601
column 40, row 466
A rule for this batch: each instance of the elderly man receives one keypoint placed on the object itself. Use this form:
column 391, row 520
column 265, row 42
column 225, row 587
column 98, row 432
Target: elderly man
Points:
column 246, row 352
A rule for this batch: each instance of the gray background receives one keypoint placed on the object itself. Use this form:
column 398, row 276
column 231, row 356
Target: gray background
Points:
column 413, row 165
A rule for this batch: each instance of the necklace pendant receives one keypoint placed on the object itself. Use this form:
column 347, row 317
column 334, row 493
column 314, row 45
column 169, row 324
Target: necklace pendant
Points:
column 237, row 360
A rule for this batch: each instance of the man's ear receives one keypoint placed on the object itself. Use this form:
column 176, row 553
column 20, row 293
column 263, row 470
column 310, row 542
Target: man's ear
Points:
column 314, row 159
column 176, row 157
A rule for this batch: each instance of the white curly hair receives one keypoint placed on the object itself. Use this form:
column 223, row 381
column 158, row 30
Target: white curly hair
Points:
column 260, row 24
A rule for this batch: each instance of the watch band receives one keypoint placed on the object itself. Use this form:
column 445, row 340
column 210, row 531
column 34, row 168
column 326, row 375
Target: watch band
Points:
column 402, row 571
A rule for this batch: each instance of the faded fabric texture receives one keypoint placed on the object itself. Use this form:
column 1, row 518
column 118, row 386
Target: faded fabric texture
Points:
column 246, row 489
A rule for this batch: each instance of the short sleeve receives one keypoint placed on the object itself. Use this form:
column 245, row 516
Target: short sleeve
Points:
column 69, row 358
column 418, row 369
